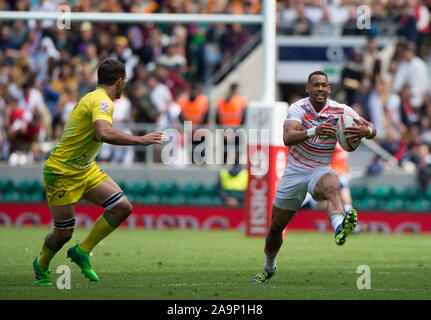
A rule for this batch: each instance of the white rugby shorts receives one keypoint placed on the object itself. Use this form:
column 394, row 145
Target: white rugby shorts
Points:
column 294, row 185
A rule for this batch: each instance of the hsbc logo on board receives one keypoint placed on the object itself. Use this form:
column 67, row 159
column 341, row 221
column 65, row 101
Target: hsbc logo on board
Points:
column 258, row 206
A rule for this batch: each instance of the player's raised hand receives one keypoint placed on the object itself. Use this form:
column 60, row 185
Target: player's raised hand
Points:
column 326, row 129
column 153, row 138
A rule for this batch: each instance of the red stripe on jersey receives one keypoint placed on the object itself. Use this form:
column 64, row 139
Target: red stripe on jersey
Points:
column 308, row 125
column 337, row 108
column 301, row 161
column 314, row 150
column 304, row 157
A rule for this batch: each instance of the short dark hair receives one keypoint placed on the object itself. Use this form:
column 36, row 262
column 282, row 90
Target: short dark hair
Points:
column 109, row 71
column 317, row 72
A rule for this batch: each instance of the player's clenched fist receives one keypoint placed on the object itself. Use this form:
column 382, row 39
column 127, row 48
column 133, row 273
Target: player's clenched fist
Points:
column 152, row 138
column 326, row 129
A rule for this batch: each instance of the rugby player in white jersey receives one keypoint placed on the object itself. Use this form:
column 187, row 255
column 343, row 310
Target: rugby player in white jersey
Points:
column 309, row 132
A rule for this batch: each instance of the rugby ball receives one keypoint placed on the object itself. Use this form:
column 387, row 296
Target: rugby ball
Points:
column 346, row 121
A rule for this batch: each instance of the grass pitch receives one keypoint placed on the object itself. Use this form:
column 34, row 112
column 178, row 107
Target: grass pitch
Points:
column 219, row 265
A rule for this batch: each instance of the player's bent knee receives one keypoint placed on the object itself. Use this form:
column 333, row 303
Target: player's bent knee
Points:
column 122, row 210
column 332, row 190
column 127, row 207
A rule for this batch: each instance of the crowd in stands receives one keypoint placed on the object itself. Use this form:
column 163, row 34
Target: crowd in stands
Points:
column 45, row 70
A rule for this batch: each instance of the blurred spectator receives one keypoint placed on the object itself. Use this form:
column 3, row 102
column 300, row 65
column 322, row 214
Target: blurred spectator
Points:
column 153, row 47
column 195, row 107
column 396, row 145
column 412, row 70
column 351, row 77
column 172, row 79
column 406, row 22
column 408, row 115
column 212, row 55
column 139, row 94
column 162, row 99
column 376, row 108
column 370, row 64
column 47, row 53
column 122, row 117
column 35, row 103
column 340, row 165
column 231, row 110
column 325, row 27
column 16, row 120
column 287, row 15
column 422, row 17
column 86, row 38
column 123, row 53
column 173, row 59
column 232, row 184
column 232, row 40
column 314, row 11
column 350, row 27
column 67, row 102
column 18, row 34
column 302, row 25
column 424, row 166
column 66, row 79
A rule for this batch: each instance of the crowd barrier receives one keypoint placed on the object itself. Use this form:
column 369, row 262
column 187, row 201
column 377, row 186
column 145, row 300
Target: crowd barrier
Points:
column 211, row 218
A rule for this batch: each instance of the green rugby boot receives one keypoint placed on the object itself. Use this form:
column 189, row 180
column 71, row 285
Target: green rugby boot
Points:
column 43, row 277
column 262, row 276
column 82, row 259
column 346, row 227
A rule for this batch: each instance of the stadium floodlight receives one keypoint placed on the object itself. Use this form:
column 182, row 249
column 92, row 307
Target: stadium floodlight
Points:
column 267, row 20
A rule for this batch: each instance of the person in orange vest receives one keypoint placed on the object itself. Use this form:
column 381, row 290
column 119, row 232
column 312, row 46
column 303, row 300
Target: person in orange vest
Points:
column 231, row 110
column 194, row 108
column 340, row 165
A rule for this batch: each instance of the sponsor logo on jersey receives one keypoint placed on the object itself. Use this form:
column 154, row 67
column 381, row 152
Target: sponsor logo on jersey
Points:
column 104, row 106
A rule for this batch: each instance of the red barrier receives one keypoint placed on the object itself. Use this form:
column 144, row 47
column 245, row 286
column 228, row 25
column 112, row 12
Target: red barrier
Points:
column 150, row 217
column 191, row 217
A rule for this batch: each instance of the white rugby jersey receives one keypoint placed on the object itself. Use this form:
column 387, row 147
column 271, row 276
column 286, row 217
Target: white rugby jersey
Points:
column 317, row 151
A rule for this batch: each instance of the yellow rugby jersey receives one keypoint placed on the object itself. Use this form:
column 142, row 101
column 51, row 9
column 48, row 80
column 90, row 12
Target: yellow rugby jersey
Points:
column 78, row 146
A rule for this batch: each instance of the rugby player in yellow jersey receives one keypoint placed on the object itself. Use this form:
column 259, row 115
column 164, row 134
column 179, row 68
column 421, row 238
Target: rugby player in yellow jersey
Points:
column 71, row 174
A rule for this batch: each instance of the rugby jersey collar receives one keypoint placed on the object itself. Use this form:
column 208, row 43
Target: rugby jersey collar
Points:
column 101, row 89
column 318, row 114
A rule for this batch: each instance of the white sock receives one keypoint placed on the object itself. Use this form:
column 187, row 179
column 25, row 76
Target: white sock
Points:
column 270, row 261
column 336, row 218
column 348, row 207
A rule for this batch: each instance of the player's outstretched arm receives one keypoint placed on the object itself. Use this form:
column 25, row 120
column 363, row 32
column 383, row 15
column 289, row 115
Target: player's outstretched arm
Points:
column 106, row 133
column 293, row 134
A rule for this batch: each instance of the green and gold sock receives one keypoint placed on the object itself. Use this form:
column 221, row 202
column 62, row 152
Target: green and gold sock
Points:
column 48, row 252
column 100, row 230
